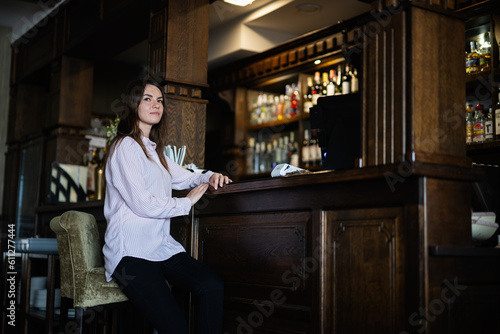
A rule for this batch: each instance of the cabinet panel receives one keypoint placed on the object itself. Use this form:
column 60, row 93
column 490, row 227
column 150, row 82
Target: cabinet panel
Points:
column 265, row 262
column 362, row 270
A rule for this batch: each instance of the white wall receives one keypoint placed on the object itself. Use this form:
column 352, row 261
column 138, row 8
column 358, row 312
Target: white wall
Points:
column 5, row 57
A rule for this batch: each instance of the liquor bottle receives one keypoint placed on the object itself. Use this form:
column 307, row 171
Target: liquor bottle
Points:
column 269, row 157
column 338, row 90
column 469, row 124
column 305, row 149
column 287, row 105
column 324, row 90
column 472, row 65
column 316, row 91
column 250, row 155
column 92, row 165
column 488, row 126
column 273, row 102
column 478, row 136
column 275, row 154
column 294, row 101
column 281, row 107
column 497, row 119
column 485, row 54
column 346, row 81
column 354, row 81
column 262, row 158
column 293, row 150
column 256, row 159
column 331, row 88
column 308, row 96
column 317, row 148
column 284, row 149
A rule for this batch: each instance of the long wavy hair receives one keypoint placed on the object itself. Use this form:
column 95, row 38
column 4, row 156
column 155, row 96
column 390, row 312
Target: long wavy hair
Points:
column 129, row 120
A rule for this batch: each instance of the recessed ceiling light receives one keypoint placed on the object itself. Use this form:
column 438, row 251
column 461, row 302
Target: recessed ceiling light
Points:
column 308, row 8
column 239, row 2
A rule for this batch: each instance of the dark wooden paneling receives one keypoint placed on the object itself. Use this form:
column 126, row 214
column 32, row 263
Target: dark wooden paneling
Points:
column 276, row 248
column 186, row 126
column 363, row 274
column 386, row 109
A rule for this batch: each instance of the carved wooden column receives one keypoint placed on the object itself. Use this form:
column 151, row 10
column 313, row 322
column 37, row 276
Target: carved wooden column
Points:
column 178, row 56
column 414, row 84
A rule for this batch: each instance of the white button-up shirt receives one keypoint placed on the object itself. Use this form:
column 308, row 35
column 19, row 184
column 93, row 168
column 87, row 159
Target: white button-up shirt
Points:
column 138, row 204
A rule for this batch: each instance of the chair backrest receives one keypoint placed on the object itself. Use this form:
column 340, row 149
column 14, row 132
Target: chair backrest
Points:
column 79, row 248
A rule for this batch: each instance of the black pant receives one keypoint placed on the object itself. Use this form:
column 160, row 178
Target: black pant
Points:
column 144, row 283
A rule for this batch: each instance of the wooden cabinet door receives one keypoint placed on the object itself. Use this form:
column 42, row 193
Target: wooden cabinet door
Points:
column 362, row 271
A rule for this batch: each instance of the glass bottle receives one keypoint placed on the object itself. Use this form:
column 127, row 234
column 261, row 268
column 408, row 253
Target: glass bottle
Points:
column 346, row 81
column 469, row 124
column 338, row 90
column 294, row 100
column 324, row 89
column 354, row 81
column 488, row 126
column 316, row 91
column 256, row 159
column 308, row 96
column 331, row 88
column 478, row 125
column 250, row 155
column 305, row 148
column 485, row 54
column 472, row 65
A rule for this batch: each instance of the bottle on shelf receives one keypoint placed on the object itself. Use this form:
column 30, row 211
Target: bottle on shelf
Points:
column 306, row 154
column 288, row 103
column 280, row 110
column 478, row 135
column 293, row 150
column 325, row 82
column 338, row 90
column 318, row 161
column 250, row 157
column 485, row 53
column 354, row 81
column 346, row 80
column 331, row 88
column 262, row 158
column 294, row 100
column 316, row 90
column 472, row 61
column 256, row 159
column 469, row 124
column 497, row 119
column 284, row 149
column 307, row 104
column 488, row 126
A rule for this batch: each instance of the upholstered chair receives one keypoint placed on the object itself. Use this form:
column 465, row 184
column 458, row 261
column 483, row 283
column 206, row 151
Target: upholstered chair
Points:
column 82, row 265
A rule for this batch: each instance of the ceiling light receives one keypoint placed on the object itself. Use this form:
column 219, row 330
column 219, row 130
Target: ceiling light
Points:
column 308, row 8
column 239, row 2
column 317, row 62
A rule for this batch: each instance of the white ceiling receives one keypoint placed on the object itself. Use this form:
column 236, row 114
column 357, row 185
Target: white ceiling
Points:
column 235, row 32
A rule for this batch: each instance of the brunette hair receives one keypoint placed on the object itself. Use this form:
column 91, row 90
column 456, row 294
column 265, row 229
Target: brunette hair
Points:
column 129, row 120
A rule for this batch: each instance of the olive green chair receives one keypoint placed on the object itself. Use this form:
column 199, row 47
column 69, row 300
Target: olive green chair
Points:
column 82, row 265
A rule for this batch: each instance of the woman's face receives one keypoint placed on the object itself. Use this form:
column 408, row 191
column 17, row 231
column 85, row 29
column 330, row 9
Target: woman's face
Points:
column 150, row 108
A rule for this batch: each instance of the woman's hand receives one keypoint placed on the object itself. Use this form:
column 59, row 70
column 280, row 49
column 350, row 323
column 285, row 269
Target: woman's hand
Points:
column 217, row 179
column 195, row 194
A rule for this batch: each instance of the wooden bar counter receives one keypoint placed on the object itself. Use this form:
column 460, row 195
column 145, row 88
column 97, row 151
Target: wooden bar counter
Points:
column 347, row 251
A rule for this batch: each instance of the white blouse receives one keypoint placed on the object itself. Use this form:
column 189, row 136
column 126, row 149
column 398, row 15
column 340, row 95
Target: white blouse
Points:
column 138, row 204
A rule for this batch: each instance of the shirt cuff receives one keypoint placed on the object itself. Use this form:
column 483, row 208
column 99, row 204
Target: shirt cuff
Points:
column 185, row 204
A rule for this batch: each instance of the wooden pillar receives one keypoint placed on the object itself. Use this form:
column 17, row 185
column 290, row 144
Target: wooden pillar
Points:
column 414, row 84
column 178, row 56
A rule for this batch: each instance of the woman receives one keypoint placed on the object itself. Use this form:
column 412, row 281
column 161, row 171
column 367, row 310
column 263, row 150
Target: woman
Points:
column 140, row 254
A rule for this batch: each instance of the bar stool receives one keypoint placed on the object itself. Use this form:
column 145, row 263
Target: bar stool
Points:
column 82, row 266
